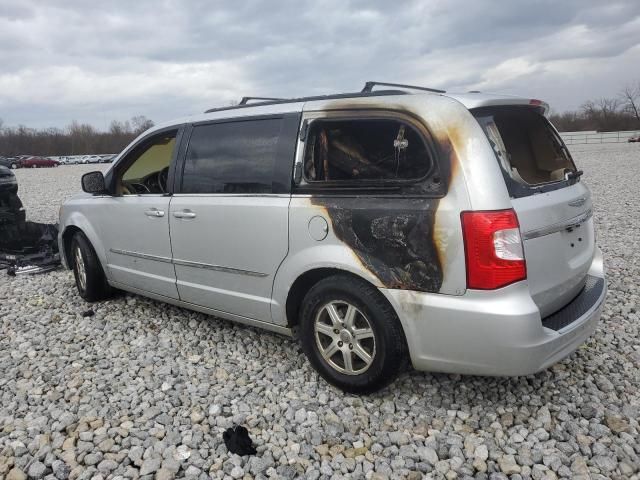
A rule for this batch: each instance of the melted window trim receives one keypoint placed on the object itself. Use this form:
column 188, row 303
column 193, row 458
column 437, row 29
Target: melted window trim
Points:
column 381, row 184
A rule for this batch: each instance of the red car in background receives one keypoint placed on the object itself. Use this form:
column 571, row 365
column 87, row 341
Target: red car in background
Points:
column 37, row 162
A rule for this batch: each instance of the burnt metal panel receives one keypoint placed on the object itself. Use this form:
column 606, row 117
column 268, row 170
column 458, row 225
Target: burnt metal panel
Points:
column 392, row 237
column 391, row 228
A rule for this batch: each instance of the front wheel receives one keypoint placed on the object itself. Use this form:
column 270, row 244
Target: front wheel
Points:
column 14, row 166
column 352, row 335
column 90, row 278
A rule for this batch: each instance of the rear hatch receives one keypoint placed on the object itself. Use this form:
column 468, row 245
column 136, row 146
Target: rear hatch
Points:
column 552, row 204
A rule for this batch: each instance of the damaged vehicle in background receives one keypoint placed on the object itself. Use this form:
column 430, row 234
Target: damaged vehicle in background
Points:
column 8, row 182
column 453, row 231
column 25, row 247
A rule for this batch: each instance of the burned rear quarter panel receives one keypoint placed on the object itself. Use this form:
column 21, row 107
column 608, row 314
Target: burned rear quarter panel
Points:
column 411, row 242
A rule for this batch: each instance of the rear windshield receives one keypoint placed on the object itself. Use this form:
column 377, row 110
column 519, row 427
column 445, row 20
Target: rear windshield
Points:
column 531, row 154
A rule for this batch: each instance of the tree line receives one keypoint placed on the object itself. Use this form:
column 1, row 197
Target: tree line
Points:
column 604, row 114
column 75, row 139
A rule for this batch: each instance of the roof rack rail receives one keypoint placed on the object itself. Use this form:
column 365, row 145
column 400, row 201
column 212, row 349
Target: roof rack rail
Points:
column 377, row 93
column 246, row 100
column 368, row 87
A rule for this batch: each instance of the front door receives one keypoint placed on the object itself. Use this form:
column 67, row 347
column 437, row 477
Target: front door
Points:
column 229, row 219
column 136, row 221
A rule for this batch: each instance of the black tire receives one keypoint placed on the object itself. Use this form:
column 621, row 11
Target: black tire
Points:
column 95, row 286
column 390, row 353
column 14, row 166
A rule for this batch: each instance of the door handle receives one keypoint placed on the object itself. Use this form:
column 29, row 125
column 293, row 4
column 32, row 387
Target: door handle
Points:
column 184, row 214
column 154, row 212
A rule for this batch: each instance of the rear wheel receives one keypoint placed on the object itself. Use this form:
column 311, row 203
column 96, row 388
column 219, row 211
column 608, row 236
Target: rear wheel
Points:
column 90, row 278
column 14, row 166
column 351, row 335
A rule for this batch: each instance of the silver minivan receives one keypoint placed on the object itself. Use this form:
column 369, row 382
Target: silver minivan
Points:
column 395, row 225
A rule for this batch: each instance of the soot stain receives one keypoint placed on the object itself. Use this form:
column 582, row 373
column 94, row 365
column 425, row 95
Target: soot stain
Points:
column 393, row 238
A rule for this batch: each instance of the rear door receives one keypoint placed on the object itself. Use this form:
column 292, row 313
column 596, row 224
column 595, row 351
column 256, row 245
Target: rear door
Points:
column 229, row 219
column 553, row 206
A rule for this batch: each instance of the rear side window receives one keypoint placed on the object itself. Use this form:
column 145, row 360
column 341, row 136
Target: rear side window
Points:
column 364, row 151
column 528, row 149
column 233, row 157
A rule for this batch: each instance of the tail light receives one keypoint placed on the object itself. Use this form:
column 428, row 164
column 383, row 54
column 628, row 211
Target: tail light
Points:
column 493, row 249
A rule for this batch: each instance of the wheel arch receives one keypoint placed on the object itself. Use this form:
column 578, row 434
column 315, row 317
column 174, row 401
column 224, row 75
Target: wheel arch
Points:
column 304, row 282
column 67, row 235
column 77, row 222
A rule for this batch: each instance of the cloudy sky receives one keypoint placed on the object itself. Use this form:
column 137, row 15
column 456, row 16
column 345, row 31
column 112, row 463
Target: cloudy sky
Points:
column 96, row 61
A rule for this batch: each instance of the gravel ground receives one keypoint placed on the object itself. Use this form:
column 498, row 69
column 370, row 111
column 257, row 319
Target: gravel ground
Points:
column 144, row 389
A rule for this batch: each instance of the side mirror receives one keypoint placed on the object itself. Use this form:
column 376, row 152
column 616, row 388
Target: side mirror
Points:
column 93, row 182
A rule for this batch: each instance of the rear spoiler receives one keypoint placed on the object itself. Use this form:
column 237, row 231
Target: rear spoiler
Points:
column 475, row 100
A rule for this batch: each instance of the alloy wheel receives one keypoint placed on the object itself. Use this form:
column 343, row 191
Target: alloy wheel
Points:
column 344, row 337
column 80, row 268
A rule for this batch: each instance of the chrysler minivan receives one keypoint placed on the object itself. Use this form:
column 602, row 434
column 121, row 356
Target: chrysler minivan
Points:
column 395, row 225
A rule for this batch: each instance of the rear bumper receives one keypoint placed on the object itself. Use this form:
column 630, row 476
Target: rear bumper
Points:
column 498, row 332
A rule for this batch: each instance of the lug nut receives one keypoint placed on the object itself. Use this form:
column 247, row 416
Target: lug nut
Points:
column 336, row 331
column 351, row 346
column 339, row 344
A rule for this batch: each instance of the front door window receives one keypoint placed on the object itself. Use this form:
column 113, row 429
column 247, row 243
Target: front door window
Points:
column 148, row 172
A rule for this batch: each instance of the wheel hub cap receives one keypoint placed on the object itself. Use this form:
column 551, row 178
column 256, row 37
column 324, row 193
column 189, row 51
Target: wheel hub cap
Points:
column 345, row 336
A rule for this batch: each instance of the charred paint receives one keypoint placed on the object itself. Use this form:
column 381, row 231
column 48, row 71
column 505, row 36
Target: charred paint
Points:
column 393, row 238
column 449, row 167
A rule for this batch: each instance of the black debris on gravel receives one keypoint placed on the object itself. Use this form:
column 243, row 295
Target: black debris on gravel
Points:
column 238, row 441
column 25, row 246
